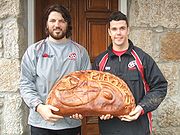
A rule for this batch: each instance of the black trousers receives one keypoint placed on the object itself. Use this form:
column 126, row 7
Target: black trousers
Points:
column 42, row 131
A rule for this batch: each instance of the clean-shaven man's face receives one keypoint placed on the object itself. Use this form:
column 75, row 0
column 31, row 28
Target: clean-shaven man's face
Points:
column 119, row 31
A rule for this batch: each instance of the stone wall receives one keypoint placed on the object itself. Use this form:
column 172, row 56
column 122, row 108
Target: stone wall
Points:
column 13, row 41
column 155, row 27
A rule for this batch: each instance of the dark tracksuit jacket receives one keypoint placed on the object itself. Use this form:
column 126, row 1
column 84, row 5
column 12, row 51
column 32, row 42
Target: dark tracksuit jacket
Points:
column 122, row 67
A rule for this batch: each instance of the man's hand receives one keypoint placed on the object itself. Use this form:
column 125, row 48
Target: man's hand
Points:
column 106, row 117
column 76, row 116
column 133, row 115
column 46, row 112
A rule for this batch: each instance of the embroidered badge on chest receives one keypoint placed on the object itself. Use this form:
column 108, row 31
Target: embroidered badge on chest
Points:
column 72, row 56
column 132, row 65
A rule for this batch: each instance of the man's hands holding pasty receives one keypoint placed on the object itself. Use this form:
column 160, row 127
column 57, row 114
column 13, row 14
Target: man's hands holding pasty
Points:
column 133, row 115
column 46, row 112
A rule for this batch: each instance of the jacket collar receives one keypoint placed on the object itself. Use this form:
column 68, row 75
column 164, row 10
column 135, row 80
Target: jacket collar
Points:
column 111, row 54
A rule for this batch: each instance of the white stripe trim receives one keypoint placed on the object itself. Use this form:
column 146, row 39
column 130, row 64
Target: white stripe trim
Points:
column 122, row 6
column 30, row 21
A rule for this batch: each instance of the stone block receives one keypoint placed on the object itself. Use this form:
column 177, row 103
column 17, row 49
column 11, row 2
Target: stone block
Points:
column 146, row 40
column 169, row 114
column 170, row 71
column 10, row 39
column 170, row 46
column 165, row 132
column 1, row 110
column 9, row 8
column 1, row 25
column 1, row 53
column 9, row 74
column 172, row 74
column 155, row 12
column 165, row 113
column 12, row 115
column 1, row 44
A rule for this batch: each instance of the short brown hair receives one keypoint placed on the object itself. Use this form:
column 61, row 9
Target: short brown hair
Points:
column 117, row 16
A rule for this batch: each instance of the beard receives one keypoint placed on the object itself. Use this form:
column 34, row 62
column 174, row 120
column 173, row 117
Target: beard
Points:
column 57, row 33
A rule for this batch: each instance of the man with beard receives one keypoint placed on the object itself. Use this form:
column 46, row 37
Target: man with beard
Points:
column 42, row 65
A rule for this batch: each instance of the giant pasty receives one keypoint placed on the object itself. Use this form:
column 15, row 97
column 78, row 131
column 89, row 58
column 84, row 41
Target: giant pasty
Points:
column 91, row 93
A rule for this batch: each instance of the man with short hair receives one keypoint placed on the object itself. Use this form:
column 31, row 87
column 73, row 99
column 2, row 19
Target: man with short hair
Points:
column 135, row 67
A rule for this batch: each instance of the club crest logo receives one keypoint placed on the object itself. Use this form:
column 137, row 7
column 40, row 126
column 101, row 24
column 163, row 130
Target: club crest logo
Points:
column 72, row 56
column 132, row 65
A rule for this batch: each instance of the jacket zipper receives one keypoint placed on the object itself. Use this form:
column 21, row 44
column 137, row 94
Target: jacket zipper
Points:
column 119, row 58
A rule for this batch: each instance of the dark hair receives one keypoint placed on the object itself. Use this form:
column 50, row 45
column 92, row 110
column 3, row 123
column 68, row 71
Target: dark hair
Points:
column 117, row 16
column 65, row 14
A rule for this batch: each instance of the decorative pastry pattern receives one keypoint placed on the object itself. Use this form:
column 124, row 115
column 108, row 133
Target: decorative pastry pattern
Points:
column 91, row 93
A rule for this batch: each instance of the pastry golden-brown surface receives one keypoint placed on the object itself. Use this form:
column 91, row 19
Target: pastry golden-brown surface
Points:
column 91, row 93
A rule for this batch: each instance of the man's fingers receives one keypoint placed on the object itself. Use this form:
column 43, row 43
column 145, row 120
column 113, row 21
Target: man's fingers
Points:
column 76, row 116
column 133, row 115
column 106, row 117
column 125, row 119
column 80, row 116
column 137, row 110
column 56, row 116
column 53, row 108
column 102, row 117
column 128, row 117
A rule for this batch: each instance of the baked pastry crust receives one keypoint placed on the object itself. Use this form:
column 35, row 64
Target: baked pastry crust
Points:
column 91, row 93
